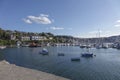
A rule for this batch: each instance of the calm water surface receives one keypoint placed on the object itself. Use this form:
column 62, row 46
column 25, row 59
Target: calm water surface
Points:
column 104, row 66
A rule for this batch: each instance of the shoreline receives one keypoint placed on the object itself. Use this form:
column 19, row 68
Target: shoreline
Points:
column 12, row 72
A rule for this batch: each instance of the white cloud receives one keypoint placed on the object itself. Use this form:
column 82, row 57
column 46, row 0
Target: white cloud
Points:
column 95, row 32
column 118, row 21
column 100, row 33
column 108, row 31
column 27, row 21
column 42, row 19
column 44, row 15
column 117, row 25
column 59, row 28
column 56, row 28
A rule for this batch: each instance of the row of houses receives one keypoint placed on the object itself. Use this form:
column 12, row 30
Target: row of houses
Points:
column 28, row 38
column 38, row 38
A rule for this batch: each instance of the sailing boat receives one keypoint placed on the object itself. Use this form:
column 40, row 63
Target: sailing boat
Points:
column 98, row 45
column 59, row 53
column 87, row 53
column 44, row 51
column 105, row 46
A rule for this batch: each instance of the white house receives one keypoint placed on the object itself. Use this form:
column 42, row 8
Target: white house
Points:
column 25, row 38
column 12, row 37
column 38, row 38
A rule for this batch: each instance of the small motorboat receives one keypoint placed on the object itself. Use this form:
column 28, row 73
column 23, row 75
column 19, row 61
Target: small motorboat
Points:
column 83, row 46
column 87, row 54
column 75, row 59
column 44, row 51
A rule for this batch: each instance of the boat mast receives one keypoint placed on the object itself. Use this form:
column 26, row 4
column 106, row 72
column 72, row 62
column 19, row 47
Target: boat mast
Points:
column 99, row 41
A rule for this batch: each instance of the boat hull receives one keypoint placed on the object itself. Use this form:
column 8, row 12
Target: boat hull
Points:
column 87, row 55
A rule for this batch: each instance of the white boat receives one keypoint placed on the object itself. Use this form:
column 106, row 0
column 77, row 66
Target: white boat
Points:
column 2, row 47
column 44, row 51
column 87, row 53
column 105, row 46
column 98, row 46
column 25, row 45
column 99, row 43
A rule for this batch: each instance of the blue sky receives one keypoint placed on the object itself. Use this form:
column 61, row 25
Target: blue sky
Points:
column 79, row 18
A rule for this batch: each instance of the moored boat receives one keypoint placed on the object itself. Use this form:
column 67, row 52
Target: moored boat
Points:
column 25, row 45
column 33, row 45
column 82, row 46
column 87, row 54
column 2, row 47
column 118, row 46
column 44, row 51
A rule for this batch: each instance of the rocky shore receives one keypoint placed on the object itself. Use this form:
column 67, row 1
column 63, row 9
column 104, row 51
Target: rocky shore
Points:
column 13, row 72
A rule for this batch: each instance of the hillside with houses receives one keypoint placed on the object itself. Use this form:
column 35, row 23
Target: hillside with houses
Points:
column 8, row 37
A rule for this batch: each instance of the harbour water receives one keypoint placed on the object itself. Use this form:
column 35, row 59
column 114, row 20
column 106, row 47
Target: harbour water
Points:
column 104, row 66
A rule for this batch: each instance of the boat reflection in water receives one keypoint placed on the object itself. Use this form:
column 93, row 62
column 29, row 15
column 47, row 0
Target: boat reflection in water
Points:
column 61, row 54
column 75, row 59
